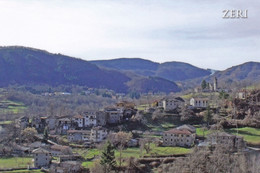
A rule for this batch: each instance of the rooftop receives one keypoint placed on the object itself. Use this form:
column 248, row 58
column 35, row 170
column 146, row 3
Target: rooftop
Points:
column 40, row 150
column 78, row 116
column 177, row 131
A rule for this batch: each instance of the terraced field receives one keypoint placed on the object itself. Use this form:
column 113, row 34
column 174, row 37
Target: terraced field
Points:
column 7, row 106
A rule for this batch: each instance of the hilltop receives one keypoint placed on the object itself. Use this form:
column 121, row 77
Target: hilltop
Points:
column 28, row 66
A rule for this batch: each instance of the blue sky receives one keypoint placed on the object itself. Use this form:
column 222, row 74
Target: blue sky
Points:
column 159, row 30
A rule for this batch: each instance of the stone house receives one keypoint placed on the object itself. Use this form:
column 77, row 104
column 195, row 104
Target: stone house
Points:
column 114, row 115
column 79, row 120
column 171, row 103
column 199, row 102
column 187, row 127
column 98, row 134
column 176, row 137
column 90, row 118
column 63, row 125
column 58, row 150
column 42, row 158
column 67, row 167
column 101, row 118
column 224, row 139
column 78, row 135
column 39, row 123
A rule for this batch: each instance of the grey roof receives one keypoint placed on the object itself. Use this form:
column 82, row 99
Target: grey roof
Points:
column 40, row 150
column 187, row 126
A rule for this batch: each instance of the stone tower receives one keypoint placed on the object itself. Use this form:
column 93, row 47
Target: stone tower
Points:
column 215, row 84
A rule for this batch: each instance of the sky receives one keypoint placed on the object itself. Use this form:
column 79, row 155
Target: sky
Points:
column 159, row 30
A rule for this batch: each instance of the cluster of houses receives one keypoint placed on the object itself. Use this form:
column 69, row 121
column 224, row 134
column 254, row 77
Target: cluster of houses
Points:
column 185, row 136
column 172, row 103
column 65, row 163
column 87, row 127
column 90, row 127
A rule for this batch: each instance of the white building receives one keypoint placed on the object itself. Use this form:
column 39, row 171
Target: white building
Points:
column 171, row 103
column 176, row 137
column 199, row 102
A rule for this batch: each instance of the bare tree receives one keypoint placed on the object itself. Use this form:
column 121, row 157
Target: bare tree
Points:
column 120, row 140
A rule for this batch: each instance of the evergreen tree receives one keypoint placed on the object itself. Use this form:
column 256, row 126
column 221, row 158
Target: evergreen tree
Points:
column 108, row 158
column 203, row 84
column 45, row 134
column 208, row 116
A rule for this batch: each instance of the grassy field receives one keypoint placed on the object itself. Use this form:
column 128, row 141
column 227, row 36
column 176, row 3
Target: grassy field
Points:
column 168, row 150
column 167, row 122
column 11, row 106
column 189, row 96
column 15, row 162
column 132, row 152
column 251, row 135
column 142, row 107
column 5, row 122
column 199, row 131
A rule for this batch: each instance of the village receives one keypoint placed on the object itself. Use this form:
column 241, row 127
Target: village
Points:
column 74, row 143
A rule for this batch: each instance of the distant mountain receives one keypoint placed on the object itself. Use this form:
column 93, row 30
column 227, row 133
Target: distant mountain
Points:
column 248, row 72
column 28, row 66
column 136, row 65
column 239, row 76
column 174, row 71
column 179, row 71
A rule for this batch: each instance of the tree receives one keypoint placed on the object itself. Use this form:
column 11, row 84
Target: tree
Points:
column 28, row 134
column 120, row 140
column 203, row 84
column 45, row 134
column 208, row 116
column 108, row 158
column 145, row 144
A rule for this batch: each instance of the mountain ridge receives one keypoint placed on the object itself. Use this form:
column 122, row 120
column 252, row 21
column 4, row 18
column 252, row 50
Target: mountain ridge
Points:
column 29, row 66
column 174, row 70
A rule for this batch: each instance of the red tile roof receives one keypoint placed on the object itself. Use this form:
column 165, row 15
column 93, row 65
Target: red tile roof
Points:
column 78, row 116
